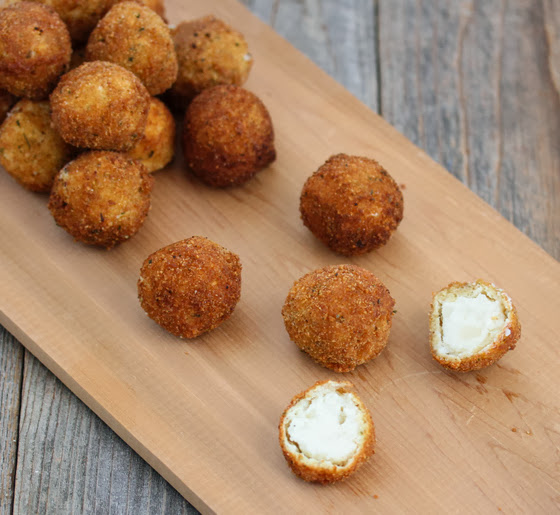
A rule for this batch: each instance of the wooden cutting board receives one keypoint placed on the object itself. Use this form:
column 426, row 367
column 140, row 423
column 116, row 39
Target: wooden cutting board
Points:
column 204, row 413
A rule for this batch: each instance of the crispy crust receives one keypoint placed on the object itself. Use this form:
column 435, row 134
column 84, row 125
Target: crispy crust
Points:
column 505, row 341
column 190, row 287
column 35, row 49
column 227, row 136
column 136, row 38
column 340, row 315
column 101, row 198
column 100, row 105
column 327, row 473
column 351, row 204
column 157, row 147
column 31, row 150
column 209, row 53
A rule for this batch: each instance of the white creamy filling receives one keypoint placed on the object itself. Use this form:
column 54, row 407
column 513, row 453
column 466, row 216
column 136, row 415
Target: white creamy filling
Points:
column 326, row 426
column 469, row 324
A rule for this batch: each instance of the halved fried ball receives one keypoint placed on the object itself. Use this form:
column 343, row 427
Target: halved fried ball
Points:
column 157, row 146
column 191, row 286
column 136, row 38
column 209, row 53
column 326, row 432
column 100, row 105
column 472, row 325
column 35, row 49
column 351, row 204
column 31, row 150
column 340, row 315
column 101, row 198
column 7, row 100
column 228, row 136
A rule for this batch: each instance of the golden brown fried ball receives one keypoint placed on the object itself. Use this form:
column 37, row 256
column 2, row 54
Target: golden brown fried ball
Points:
column 472, row 325
column 191, row 286
column 31, row 151
column 135, row 37
column 34, row 49
column 157, row 147
column 101, row 198
column 227, row 136
column 340, row 315
column 7, row 100
column 326, row 432
column 100, row 105
column 209, row 53
column 351, row 204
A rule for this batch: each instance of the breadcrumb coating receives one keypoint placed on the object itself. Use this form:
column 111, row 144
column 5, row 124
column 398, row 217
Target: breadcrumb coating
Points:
column 136, row 38
column 340, row 315
column 209, row 53
column 351, row 204
column 31, row 150
column 191, row 286
column 227, row 136
column 157, row 147
column 319, row 469
column 35, row 49
column 102, row 106
column 101, row 198
column 504, row 341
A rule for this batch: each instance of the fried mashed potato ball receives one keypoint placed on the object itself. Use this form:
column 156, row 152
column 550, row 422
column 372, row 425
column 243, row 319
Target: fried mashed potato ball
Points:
column 136, row 38
column 472, row 325
column 209, row 53
column 31, row 150
column 7, row 100
column 157, row 147
column 326, row 432
column 190, row 287
column 101, row 198
column 340, row 315
column 102, row 106
column 227, row 136
column 35, row 49
column 351, row 204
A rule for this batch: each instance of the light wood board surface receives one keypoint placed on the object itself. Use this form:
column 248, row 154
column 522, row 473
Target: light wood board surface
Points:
column 207, row 420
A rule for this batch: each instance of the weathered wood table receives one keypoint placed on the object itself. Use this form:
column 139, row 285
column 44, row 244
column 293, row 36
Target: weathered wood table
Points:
column 474, row 83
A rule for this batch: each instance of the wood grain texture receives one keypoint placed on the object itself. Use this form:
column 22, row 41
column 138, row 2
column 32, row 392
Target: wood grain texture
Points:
column 69, row 461
column 338, row 36
column 475, row 84
column 11, row 366
column 314, row 11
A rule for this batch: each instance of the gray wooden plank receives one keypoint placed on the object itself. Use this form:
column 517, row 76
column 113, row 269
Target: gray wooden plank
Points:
column 11, row 366
column 69, row 461
column 475, row 84
column 339, row 36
